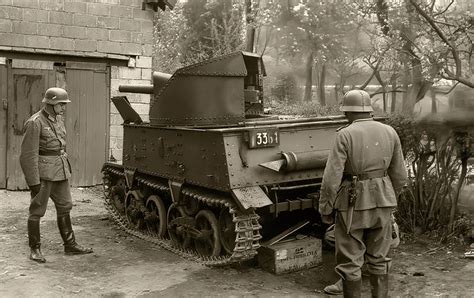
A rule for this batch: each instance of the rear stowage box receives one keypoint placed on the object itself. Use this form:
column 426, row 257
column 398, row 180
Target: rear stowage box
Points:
column 289, row 256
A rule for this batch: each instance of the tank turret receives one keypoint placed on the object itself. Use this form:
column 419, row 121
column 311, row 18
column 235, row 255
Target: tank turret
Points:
column 219, row 92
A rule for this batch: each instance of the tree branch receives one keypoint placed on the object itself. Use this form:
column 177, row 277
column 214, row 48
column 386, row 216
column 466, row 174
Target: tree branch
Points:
column 445, row 9
column 440, row 34
column 450, row 76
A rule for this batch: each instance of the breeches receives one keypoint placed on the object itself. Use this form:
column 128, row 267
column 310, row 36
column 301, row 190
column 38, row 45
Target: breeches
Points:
column 58, row 191
column 369, row 238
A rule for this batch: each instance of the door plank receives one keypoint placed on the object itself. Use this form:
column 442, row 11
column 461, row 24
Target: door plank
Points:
column 87, row 124
column 26, row 88
column 3, row 126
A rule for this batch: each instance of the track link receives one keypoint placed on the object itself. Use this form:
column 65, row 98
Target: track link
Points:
column 247, row 227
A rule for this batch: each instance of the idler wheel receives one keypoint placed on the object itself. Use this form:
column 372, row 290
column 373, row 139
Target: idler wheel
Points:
column 175, row 230
column 208, row 242
column 134, row 210
column 227, row 230
column 155, row 217
column 117, row 195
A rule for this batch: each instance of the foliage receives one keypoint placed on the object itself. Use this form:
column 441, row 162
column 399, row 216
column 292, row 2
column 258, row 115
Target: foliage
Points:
column 170, row 31
column 418, row 43
column 315, row 32
column 304, row 109
column 282, row 84
column 284, row 89
column 215, row 28
column 434, row 170
column 195, row 31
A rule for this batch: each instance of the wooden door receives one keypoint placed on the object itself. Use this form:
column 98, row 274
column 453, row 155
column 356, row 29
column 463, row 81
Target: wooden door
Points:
column 87, row 120
column 3, row 125
column 26, row 89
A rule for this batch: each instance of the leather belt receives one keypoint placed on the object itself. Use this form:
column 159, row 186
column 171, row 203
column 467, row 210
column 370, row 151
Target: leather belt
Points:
column 51, row 152
column 367, row 175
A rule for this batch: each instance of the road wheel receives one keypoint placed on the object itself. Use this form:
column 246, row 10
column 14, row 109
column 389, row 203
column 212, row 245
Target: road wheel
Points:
column 209, row 242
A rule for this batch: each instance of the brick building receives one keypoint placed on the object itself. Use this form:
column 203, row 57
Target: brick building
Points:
column 88, row 47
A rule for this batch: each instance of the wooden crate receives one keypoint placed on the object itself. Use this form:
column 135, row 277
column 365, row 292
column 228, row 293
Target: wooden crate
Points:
column 290, row 256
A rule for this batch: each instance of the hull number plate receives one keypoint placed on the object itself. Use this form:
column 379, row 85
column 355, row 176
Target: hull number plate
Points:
column 264, row 137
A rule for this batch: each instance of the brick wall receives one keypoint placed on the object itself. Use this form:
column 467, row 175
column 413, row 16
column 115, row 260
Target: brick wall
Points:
column 90, row 28
column 77, row 26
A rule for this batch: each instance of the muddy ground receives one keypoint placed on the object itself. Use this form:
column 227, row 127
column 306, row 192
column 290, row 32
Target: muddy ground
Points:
column 124, row 266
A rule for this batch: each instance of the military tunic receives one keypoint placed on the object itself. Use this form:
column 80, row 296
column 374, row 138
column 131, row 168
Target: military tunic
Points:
column 44, row 161
column 365, row 148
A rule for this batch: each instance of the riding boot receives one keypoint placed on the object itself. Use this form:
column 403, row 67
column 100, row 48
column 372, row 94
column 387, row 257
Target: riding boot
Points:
column 351, row 288
column 70, row 245
column 34, row 241
column 379, row 285
column 334, row 289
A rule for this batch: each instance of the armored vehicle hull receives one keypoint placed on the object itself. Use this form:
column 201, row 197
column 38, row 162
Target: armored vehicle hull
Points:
column 213, row 188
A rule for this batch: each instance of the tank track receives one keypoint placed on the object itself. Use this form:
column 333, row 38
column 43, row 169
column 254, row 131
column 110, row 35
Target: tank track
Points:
column 246, row 225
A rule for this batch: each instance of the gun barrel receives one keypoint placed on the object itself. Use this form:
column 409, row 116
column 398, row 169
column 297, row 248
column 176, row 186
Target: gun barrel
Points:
column 146, row 89
column 159, row 81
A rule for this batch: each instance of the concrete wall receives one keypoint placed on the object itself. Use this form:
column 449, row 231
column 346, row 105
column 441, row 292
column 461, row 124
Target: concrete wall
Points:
column 109, row 29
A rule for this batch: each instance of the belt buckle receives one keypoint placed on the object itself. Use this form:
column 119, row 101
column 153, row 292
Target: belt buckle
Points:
column 62, row 151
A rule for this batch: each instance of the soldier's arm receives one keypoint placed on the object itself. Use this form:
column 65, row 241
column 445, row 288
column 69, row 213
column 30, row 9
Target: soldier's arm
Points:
column 333, row 174
column 29, row 153
column 397, row 170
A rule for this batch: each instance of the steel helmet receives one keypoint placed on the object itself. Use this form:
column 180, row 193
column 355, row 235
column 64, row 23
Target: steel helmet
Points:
column 56, row 95
column 356, row 101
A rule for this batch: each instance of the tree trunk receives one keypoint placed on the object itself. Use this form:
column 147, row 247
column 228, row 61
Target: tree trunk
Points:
column 308, row 90
column 454, row 204
column 434, row 107
column 411, row 64
column 250, row 28
column 393, row 82
column 322, row 86
column 384, row 98
column 384, row 88
column 406, row 80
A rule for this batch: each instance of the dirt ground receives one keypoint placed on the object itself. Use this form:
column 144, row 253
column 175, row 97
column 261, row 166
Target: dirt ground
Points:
column 124, row 266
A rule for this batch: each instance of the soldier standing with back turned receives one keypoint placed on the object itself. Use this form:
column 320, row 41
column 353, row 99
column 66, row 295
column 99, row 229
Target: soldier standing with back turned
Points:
column 368, row 159
column 47, row 171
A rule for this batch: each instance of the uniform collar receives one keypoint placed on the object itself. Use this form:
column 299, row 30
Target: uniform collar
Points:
column 365, row 119
column 48, row 115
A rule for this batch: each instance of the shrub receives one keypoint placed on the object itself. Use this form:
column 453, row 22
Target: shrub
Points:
column 304, row 109
column 282, row 88
column 429, row 203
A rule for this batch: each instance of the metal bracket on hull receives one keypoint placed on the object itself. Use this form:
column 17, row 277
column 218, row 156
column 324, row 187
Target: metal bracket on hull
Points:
column 252, row 196
column 129, row 176
column 175, row 190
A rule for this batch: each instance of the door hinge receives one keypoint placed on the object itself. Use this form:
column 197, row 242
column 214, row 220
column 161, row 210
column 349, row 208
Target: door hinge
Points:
column 5, row 103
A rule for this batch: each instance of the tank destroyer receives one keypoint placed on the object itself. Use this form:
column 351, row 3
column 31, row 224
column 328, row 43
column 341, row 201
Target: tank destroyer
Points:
column 210, row 176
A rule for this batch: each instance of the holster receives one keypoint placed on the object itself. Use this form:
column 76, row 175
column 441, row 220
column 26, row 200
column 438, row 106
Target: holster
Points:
column 351, row 201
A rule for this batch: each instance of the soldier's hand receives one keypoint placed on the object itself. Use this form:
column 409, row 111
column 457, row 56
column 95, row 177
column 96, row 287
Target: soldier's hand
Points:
column 327, row 219
column 34, row 189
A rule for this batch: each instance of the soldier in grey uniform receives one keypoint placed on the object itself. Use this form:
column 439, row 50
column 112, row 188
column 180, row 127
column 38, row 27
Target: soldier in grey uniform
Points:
column 46, row 168
column 364, row 174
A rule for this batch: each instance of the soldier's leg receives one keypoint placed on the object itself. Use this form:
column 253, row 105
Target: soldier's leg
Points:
column 378, row 241
column 37, row 209
column 61, row 195
column 350, row 249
